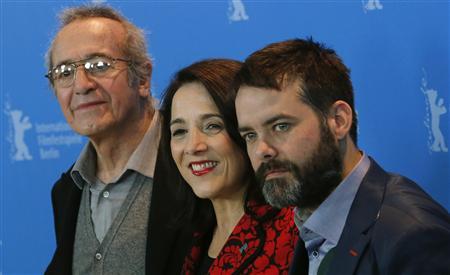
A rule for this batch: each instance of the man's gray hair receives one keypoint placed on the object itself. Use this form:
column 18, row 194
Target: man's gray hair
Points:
column 134, row 47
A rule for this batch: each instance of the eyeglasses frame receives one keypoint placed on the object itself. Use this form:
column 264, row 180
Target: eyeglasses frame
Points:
column 83, row 62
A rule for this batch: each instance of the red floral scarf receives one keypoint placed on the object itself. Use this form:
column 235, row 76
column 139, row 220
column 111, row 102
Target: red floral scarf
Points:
column 261, row 243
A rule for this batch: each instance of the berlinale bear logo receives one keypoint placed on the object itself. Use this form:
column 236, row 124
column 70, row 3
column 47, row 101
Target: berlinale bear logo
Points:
column 236, row 11
column 435, row 109
column 20, row 124
column 372, row 5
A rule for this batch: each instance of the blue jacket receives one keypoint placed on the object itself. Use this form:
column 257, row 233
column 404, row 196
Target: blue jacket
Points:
column 393, row 228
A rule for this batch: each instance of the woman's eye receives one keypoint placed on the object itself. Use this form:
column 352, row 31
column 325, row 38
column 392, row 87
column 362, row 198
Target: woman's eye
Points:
column 213, row 128
column 178, row 132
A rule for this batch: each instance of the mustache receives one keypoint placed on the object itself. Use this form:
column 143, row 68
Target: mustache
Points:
column 266, row 167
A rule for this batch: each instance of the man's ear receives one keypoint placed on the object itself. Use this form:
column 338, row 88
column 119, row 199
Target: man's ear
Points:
column 144, row 84
column 340, row 117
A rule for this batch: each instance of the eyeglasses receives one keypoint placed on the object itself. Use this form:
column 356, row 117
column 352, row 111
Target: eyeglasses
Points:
column 64, row 75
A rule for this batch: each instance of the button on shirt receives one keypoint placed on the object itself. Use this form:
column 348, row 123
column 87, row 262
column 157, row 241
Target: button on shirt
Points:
column 106, row 201
column 107, row 198
column 321, row 229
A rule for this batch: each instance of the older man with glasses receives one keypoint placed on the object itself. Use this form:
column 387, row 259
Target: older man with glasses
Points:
column 106, row 204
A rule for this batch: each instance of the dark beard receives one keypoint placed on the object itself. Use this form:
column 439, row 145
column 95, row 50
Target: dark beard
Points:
column 309, row 185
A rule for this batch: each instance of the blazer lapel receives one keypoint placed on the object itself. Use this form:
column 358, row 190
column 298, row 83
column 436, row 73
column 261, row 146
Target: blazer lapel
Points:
column 300, row 262
column 361, row 218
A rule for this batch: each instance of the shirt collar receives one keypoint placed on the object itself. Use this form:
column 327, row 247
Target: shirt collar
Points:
column 142, row 160
column 329, row 218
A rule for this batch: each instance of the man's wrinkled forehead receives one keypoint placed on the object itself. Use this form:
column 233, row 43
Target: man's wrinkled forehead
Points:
column 104, row 29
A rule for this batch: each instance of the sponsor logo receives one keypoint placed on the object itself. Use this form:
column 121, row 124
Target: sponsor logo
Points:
column 434, row 110
column 236, row 11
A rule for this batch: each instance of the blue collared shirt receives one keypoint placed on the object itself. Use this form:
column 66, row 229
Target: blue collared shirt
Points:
column 321, row 229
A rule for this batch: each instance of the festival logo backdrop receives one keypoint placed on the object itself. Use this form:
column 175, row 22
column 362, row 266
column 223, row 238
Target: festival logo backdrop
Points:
column 237, row 11
column 398, row 52
column 372, row 5
column 435, row 109
column 52, row 138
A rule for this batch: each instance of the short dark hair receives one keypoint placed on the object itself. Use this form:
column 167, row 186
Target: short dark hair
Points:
column 323, row 77
column 217, row 76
